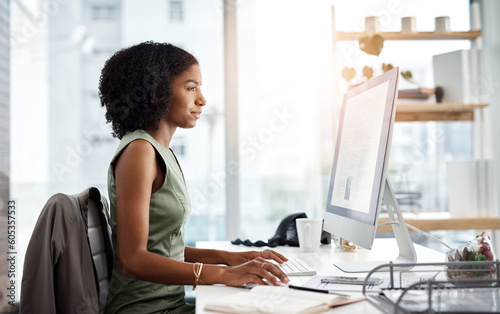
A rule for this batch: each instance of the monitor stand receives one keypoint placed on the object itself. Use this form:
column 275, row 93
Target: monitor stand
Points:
column 407, row 254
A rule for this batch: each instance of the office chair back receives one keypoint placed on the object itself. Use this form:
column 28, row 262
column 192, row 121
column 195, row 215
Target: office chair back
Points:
column 99, row 232
column 69, row 258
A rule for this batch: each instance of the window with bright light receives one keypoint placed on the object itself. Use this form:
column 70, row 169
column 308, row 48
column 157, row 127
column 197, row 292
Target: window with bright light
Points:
column 60, row 142
column 104, row 12
column 286, row 71
column 176, row 10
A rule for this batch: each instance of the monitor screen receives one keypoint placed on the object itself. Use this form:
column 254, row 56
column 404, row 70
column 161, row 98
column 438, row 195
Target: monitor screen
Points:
column 360, row 160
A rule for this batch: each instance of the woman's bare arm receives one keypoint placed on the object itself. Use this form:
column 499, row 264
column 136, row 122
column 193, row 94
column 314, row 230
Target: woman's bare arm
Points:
column 135, row 172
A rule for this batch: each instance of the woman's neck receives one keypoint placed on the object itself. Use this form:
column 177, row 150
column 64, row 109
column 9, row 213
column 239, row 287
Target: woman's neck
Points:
column 163, row 134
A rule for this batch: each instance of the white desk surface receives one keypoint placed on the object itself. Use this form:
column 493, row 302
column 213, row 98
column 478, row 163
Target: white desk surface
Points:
column 322, row 262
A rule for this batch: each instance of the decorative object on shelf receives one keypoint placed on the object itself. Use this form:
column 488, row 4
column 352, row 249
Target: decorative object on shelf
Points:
column 439, row 93
column 348, row 73
column 442, row 24
column 408, row 25
column 419, row 92
column 372, row 25
column 371, row 44
column 479, row 249
column 408, row 76
column 386, row 67
column 458, row 73
column 416, row 93
column 367, row 72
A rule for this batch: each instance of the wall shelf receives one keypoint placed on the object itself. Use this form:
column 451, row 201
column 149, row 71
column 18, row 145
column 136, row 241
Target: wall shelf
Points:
column 470, row 35
column 448, row 223
column 408, row 112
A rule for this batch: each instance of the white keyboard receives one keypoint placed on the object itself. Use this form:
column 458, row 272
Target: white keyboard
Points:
column 296, row 267
column 293, row 267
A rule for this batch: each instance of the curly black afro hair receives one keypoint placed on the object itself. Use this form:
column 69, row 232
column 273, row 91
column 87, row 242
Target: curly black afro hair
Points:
column 136, row 85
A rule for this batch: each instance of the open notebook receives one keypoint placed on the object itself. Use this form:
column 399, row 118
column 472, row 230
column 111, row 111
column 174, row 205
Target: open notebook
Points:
column 273, row 299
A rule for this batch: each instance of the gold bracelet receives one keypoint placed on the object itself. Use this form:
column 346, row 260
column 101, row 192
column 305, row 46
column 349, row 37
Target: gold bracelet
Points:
column 197, row 267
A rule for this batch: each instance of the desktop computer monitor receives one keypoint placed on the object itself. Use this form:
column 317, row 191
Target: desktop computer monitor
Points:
column 358, row 181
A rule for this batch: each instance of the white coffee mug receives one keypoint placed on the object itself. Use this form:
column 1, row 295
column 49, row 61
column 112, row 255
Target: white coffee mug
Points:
column 309, row 232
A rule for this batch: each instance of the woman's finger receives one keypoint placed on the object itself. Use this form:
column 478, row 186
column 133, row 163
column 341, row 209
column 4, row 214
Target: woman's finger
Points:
column 271, row 254
column 272, row 273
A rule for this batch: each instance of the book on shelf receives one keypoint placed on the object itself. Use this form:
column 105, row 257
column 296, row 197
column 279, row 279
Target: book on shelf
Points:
column 273, row 299
column 416, row 93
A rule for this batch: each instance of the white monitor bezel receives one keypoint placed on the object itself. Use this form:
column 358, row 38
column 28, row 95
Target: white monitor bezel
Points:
column 352, row 225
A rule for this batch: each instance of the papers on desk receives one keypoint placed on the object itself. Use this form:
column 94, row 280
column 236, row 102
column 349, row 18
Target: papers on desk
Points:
column 272, row 299
column 315, row 283
column 404, row 279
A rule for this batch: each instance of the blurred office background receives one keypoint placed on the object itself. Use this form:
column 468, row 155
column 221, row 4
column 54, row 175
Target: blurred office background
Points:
column 59, row 141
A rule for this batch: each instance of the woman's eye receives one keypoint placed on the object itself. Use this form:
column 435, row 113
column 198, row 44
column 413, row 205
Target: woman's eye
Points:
column 192, row 89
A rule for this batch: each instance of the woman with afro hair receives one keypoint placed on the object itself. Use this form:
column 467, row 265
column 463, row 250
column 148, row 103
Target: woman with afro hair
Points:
column 149, row 90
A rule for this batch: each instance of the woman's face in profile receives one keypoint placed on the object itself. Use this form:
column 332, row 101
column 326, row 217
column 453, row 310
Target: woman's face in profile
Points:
column 188, row 100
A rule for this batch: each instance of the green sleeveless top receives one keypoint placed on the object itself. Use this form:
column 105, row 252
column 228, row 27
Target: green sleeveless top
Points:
column 168, row 212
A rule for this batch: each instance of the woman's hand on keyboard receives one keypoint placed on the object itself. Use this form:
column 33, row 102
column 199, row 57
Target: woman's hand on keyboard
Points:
column 238, row 258
column 258, row 270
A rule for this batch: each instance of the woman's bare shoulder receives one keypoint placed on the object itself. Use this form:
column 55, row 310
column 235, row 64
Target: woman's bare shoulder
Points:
column 138, row 154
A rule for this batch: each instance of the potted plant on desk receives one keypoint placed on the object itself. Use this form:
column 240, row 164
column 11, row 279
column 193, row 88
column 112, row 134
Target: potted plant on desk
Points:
column 477, row 250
